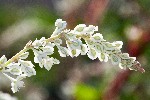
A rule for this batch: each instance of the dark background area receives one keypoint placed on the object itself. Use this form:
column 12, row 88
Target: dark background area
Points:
column 79, row 78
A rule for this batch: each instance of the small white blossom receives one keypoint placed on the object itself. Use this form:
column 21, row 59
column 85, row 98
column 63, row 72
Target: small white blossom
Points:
column 71, row 35
column 108, row 46
column 84, row 49
column 48, row 62
column 48, row 50
column 39, row 56
column 3, row 59
column 90, row 29
column 97, row 37
column 115, row 59
column 74, row 53
column 92, row 54
column 99, row 47
column 24, row 55
column 63, row 51
column 127, row 63
column 14, row 69
column 90, row 43
column 16, row 83
column 60, row 25
column 57, row 41
column 118, row 44
column 55, row 61
column 27, row 68
column 79, row 29
column 124, row 55
column 75, row 44
column 103, row 57
column 37, row 43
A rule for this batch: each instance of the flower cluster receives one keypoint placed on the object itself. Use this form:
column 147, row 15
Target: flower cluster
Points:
column 92, row 44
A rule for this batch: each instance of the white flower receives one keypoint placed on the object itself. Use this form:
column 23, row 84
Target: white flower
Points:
column 90, row 43
column 55, row 61
column 115, row 59
column 39, row 56
column 84, row 49
column 49, row 44
column 75, row 44
column 57, row 41
column 97, row 37
column 27, row 68
column 103, row 57
column 92, row 54
column 24, row 55
column 71, row 35
column 60, row 25
column 14, row 68
column 74, row 53
column 79, row 29
column 118, row 44
column 127, row 63
column 108, row 46
column 63, row 51
column 3, row 59
column 48, row 62
column 99, row 47
column 37, row 43
column 90, row 29
column 16, row 83
column 124, row 55
column 48, row 50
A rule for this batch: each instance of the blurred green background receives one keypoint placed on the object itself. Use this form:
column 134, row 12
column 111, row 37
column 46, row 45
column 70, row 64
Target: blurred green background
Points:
column 79, row 78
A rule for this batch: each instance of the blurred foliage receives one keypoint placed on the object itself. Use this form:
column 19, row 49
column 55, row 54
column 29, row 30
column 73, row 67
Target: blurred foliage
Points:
column 112, row 27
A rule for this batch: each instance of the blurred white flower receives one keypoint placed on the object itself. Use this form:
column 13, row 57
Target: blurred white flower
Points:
column 60, row 24
column 3, row 59
column 16, row 83
column 6, row 96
